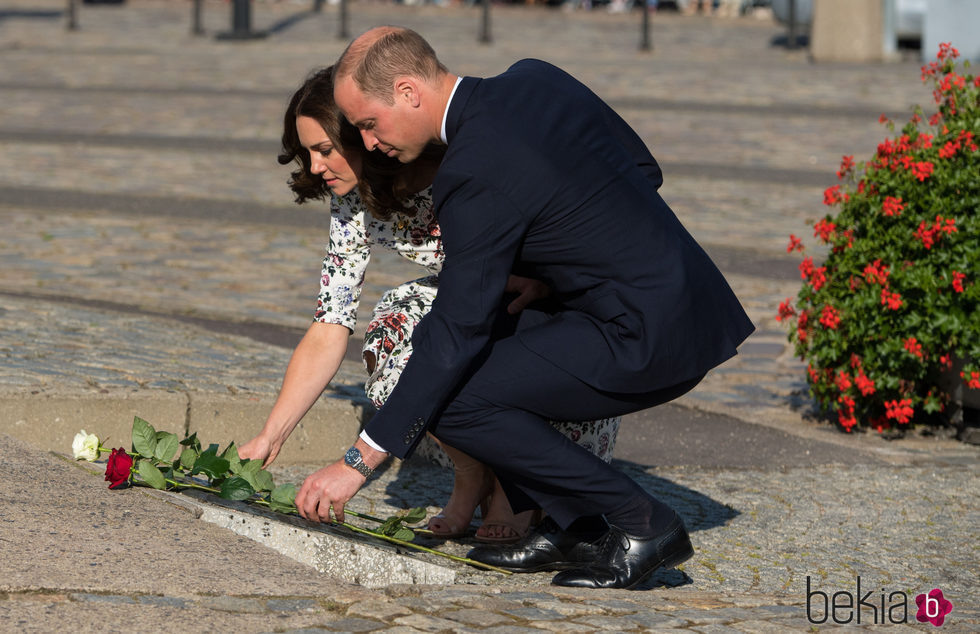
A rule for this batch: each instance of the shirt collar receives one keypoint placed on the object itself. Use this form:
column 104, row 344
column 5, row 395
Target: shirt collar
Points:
column 445, row 113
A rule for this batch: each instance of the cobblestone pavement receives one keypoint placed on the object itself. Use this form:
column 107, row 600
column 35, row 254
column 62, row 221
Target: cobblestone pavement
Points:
column 146, row 227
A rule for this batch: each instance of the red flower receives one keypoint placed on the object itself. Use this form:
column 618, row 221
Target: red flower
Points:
column 845, row 413
column 948, row 150
column 819, row 278
column 883, row 119
column 966, row 138
column 926, row 234
column 864, row 384
column 914, row 347
column 806, row 268
column 876, row 273
column 946, row 361
column 892, row 206
column 946, row 225
column 786, row 310
column 973, row 381
column 890, row 299
column 815, row 376
column 833, row 195
column 794, row 244
column 946, row 51
column 846, row 165
column 922, row 170
column 930, row 235
column 118, row 468
column 802, row 325
column 843, row 381
column 958, row 281
column 901, row 410
column 824, row 229
column 830, row 317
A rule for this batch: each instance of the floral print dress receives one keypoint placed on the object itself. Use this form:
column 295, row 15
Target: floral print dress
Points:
column 353, row 232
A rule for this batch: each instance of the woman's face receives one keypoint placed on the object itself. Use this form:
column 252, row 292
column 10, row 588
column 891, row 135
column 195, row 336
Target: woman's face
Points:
column 325, row 159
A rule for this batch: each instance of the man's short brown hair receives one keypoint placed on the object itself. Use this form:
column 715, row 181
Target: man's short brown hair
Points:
column 373, row 62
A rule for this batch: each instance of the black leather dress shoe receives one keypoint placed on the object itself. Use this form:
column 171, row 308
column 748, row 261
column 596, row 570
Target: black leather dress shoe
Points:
column 624, row 561
column 547, row 547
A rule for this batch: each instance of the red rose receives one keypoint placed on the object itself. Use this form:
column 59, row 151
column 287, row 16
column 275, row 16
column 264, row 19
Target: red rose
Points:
column 118, row 468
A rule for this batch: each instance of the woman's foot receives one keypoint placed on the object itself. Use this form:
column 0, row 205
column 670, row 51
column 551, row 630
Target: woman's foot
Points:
column 500, row 524
column 472, row 484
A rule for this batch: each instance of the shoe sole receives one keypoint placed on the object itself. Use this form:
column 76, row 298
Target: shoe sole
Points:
column 551, row 567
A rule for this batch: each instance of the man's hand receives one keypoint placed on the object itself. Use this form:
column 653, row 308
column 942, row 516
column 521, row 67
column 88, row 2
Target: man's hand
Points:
column 334, row 485
column 527, row 289
column 331, row 486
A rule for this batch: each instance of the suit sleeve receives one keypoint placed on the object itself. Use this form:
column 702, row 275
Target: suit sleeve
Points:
column 482, row 232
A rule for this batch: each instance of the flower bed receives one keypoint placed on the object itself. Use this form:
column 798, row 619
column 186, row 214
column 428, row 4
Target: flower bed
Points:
column 895, row 304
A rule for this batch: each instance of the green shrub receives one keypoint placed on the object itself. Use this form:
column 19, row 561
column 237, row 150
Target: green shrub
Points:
column 896, row 303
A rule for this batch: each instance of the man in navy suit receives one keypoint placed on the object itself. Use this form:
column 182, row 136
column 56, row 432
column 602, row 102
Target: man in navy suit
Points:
column 542, row 178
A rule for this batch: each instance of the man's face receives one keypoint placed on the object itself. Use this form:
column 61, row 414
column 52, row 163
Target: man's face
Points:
column 395, row 130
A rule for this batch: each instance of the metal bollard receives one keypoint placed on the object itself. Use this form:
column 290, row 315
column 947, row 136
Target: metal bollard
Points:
column 485, row 37
column 342, row 32
column 241, row 23
column 791, row 27
column 645, row 28
column 196, row 27
column 72, row 15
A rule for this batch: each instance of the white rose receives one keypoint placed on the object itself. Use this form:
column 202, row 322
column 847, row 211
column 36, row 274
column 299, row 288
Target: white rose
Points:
column 85, row 446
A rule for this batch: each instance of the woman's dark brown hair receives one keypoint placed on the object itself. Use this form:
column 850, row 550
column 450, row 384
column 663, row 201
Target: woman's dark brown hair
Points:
column 381, row 183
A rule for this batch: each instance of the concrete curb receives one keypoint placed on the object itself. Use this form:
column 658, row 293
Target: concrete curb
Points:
column 50, row 421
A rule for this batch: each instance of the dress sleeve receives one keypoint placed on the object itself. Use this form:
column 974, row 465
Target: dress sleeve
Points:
column 348, row 253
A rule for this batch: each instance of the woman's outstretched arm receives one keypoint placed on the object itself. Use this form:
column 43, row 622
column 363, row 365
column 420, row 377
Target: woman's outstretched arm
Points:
column 314, row 363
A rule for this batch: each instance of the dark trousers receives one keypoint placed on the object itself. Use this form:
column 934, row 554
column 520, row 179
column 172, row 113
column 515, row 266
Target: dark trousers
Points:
column 500, row 416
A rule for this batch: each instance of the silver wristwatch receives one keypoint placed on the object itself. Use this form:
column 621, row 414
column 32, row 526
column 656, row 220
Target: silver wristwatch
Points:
column 354, row 460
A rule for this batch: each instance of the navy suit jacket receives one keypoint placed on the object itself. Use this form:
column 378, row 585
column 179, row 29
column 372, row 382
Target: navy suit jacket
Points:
column 543, row 178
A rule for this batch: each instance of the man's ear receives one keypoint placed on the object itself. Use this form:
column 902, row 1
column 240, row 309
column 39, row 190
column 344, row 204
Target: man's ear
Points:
column 407, row 90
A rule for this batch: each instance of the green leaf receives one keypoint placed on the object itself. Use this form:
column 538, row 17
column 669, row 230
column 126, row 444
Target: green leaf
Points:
column 390, row 526
column 264, row 481
column 188, row 457
column 283, row 498
column 231, row 455
column 248, row 466
column 151, row 475
column 415, row 515
column 144, row 438
column 210, row 465
column 404, row 534
column 166, row 446
column 236, row 489
column 192, row 441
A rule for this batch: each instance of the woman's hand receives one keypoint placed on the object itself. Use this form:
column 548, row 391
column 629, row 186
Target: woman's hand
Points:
column 527, row 291
column 260, row 448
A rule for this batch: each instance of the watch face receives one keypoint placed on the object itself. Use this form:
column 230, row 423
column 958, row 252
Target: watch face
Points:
column 353, row 456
